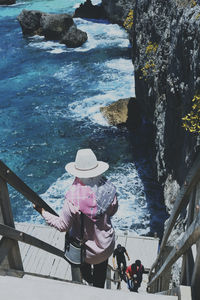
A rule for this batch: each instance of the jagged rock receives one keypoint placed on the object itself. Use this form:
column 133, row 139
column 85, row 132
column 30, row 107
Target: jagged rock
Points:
column 116, row 113
column 59, row 27
column 74, row 37
column 30, row 22
column 55, row 26
column 88, row 10
column 122, row 112
column 7, row 2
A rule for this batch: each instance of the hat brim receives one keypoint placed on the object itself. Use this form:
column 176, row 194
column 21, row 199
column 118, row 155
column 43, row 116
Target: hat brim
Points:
column 100, row 169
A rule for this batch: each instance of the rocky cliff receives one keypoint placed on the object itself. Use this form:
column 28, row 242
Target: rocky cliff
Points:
column 165, row 39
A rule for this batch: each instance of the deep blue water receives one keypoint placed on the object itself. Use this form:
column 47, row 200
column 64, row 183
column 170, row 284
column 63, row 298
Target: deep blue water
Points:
column 49, row 108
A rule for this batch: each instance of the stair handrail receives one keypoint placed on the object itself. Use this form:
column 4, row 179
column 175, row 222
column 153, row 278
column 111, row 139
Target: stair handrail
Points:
column 181, row 201
column 23, row 237
column 11, row 236
column 191, row 235
column 12, row 179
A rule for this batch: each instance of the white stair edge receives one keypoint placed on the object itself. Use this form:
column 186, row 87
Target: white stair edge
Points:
column 12, row 288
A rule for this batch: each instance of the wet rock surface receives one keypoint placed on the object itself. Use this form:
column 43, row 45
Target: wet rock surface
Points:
column 7, row 2
column 74, row 37
column 90, row 11
column 59, row 27
column 124, row 112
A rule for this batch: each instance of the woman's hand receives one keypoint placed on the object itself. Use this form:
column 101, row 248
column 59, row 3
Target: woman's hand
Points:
column 38, row 208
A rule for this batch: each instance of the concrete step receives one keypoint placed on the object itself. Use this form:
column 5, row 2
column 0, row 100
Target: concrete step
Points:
column 35, row 288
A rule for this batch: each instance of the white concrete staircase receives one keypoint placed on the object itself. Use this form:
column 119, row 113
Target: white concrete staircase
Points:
column 35, row 288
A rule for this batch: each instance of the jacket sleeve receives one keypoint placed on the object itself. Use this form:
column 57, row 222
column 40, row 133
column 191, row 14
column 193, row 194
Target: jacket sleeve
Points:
column 112, row 209
column 62, row 222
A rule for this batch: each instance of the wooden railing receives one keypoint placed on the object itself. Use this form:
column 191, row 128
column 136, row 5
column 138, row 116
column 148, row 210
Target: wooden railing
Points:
column 160, row 274
column 10, row 257
column 113, row 277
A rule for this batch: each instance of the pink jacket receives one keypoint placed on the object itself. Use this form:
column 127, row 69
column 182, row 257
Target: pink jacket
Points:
column 98, row 233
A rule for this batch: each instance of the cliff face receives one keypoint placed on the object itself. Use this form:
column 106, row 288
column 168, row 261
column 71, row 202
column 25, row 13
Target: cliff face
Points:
column 165, row 38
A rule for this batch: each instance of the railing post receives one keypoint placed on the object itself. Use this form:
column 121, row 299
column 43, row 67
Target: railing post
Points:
column 188, row 260
column 10, row 257
column 195, row 283
column 108, row 276
column 196, row 272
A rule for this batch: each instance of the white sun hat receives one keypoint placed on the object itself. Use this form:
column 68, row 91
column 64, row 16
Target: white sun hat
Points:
column 86, row 165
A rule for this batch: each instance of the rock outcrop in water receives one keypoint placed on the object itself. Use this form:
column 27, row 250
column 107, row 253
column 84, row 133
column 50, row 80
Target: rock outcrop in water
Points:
column 59, row 27
column 124, row 112
column 90, row 11
column 7, row 2
column 165, row 40
column 115, row 11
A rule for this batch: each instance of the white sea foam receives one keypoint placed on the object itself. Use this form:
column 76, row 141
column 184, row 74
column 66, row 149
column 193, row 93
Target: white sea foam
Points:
column 132, row 214
column 51, row 111
column 90, row 108
column 12, row 5
column 50, row 46
column 55, row 195
column 101, row 35
column 36, row 38
column 57, row 51
column 95, row 2
column 111, row 74
column 110, row 83
column 65, row 72
column 18, row 4
column 121, row 64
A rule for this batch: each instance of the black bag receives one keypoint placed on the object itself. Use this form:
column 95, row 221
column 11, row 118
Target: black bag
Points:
column 74, row 249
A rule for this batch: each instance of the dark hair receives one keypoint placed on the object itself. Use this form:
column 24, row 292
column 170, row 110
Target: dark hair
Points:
column 138, row 262
column 119, row 246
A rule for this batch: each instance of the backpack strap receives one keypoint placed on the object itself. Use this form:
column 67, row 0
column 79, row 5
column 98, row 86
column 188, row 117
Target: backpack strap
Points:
column 82, row 227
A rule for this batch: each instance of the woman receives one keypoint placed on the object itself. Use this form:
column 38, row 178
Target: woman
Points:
column 94, row 196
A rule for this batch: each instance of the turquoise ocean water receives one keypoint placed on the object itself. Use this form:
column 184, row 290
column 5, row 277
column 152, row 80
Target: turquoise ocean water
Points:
column 50, row 97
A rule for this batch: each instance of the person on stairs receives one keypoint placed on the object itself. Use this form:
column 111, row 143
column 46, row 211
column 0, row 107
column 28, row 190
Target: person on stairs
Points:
column 119, row 253
column 134, row 274
column 94, row 198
